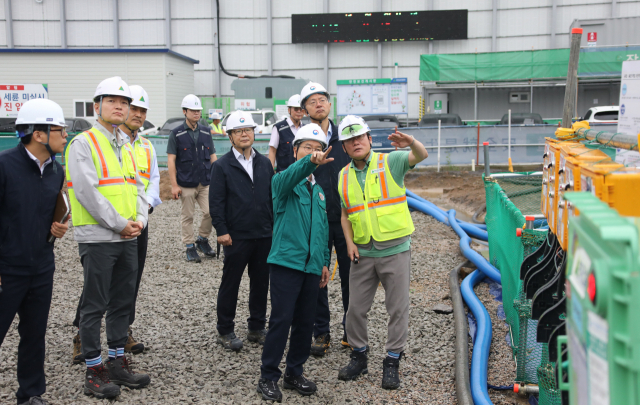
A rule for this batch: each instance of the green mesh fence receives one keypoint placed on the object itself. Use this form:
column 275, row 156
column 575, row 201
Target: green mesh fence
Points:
column 508, row 200
column 549, row 393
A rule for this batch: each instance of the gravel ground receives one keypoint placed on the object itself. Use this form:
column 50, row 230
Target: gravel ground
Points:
column 176, row 320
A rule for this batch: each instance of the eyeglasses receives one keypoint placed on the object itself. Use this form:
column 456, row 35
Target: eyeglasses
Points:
column 296, row 109
column 309, row 149
column 62, row 130
column 319, row 101
column 247, row 131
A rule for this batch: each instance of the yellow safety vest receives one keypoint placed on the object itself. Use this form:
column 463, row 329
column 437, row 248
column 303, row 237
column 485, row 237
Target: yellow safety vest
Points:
column 116, row 183
column 217, row 128
column 381, row 211
column 144, row 156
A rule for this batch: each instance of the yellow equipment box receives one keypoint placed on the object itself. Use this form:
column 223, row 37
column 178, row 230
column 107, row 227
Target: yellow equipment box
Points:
column 550, row 181
column 614, row 184
column 571, row 159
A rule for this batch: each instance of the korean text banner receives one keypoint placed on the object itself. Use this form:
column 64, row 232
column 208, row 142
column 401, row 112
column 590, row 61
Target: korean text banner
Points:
column 13, row 96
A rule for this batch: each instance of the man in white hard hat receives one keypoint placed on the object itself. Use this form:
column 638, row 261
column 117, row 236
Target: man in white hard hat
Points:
column 147, row 166
column 30, row 180
column 314, row 99
column 109, row 210
column 215, row 124
column 283, row 133
column 242, row 213
column 378, row 227
column 298, row 264
column 190, row 154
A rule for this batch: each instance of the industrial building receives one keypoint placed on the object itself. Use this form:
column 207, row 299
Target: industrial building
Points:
column 254, row 37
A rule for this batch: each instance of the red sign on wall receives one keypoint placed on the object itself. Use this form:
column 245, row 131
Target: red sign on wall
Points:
column 592, row 37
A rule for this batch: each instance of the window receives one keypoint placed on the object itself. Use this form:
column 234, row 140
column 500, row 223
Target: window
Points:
column 587, row 115
column 82, row 125
column 517, row 97
column 83, row 108
column 270, row 118
column 257, row 118
column 606, row 116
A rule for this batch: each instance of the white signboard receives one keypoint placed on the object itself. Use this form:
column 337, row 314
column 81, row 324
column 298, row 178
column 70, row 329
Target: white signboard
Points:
column 629, row 116
column 372, row 96
column 282, row 111
column 13, row 96
column 215, row 110
column 245, row 104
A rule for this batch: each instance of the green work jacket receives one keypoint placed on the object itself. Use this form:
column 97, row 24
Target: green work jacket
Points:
column 300, row 220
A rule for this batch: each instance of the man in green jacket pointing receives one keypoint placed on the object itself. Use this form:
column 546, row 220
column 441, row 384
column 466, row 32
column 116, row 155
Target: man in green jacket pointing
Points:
column 298, row 263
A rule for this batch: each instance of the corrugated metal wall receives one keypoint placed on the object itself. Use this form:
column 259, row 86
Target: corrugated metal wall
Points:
column 243, row 24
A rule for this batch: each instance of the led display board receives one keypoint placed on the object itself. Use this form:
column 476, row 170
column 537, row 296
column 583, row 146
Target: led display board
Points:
column 379, row 27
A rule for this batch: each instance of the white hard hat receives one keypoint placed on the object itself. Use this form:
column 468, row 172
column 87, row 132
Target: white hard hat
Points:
column 294, row 101
column 311, row 132
column 240, row 119
column 215, row 116
column 113, row 86
column 309, row 89
column 352, row 126
column 192, row 102
column 139, row 96
column 40, row 111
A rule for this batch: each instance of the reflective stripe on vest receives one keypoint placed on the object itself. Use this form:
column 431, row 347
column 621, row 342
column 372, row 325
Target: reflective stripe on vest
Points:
column 115, row 182
column 143, row 153
column 381, row 211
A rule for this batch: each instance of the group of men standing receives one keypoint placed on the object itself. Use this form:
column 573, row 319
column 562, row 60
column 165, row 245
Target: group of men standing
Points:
column 328, row 190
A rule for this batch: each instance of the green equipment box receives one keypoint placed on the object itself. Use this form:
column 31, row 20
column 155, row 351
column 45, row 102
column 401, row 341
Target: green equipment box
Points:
column 603, row 303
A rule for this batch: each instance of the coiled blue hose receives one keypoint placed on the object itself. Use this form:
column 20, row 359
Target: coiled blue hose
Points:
column 440, row 215
column 481, row 347
column 483, row 265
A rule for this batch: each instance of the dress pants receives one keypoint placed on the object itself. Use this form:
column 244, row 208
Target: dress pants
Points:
column 251, row 253
column 293, row 299
column 323, row 315
column 30, row 298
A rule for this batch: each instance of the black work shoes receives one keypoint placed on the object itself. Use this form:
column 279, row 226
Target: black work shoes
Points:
column 356, row 367
column 192, row 255
column 257, row 336
column 390, row 376
column 299, row 383
column 230, row 342
column 203, row 245
column 269, row 390
column 98, row 383
column 321, row 345
column 121, row 374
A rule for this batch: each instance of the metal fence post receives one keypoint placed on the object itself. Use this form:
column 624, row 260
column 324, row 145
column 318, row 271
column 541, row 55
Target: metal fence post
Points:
column 509, row 143
column 487, row 171
column 439, row 128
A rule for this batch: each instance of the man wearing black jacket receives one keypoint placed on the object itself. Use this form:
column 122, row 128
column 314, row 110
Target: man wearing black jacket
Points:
column 30, row 180
column 242, row 213
column 315, row 102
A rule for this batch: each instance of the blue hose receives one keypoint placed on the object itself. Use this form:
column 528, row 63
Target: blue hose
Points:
column 483, row 265
column 480, row 356
column 417, row 197
column 441, row 216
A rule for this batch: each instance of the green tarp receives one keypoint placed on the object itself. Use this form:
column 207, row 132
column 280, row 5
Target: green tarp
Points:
column 523, row 65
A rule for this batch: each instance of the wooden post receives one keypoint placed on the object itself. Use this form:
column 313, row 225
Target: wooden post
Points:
column 572, row 78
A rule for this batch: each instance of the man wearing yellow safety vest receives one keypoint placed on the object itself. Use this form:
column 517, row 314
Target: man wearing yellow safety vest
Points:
column 377, row 226
column 147, row 166
column 109, row 210
column 215, row 125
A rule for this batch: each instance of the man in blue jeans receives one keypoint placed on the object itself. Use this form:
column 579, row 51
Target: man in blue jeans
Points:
column 299, row 261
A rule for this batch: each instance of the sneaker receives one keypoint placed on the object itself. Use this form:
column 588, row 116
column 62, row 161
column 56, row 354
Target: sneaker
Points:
column 299, row 383
column 344, row 342
column 98, row 384
column 230, row 342
column 269, row 390
column 77, row 357
column 390, row 376
column 203, row 245
column 321, row 345
column 356, row 367
column 36, row 401
column 132, row 346
column 192, row 255
column 257, row 336
column 121, row 374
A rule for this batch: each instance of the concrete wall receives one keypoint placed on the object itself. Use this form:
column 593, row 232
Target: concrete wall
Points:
column 190, row 28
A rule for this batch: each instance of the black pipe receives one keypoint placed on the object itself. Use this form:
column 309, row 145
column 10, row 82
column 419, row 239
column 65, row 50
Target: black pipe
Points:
column 463, row 389
column 220, row 57
column 477, row 213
